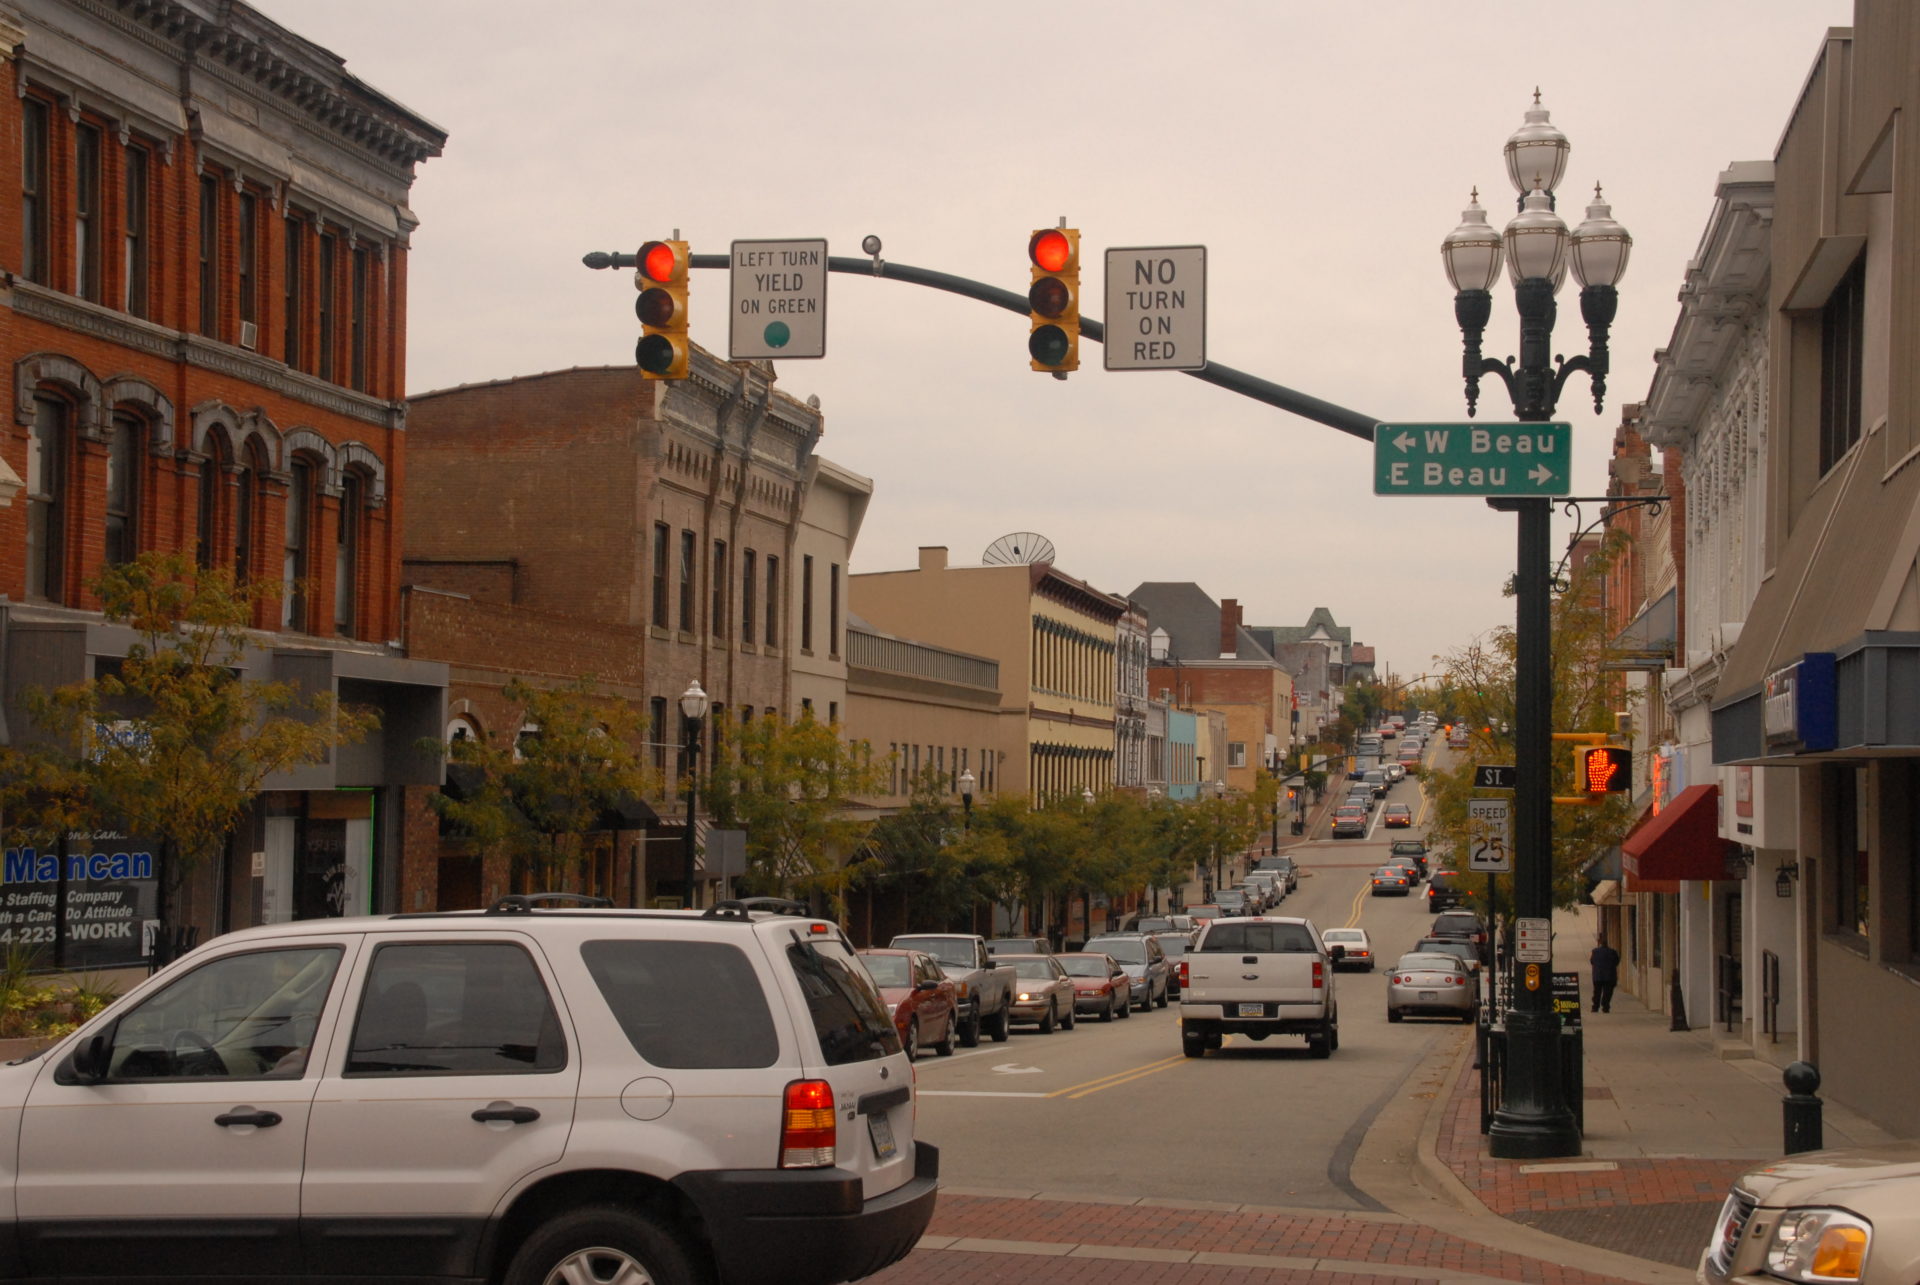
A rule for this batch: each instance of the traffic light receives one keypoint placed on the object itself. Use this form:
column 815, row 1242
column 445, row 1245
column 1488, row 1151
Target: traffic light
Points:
column 1602, row 769
column 1053, row 300
column 662, row 309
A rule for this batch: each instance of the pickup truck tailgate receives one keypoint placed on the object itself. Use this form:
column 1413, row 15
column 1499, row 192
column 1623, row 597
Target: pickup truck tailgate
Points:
column 1256, row 969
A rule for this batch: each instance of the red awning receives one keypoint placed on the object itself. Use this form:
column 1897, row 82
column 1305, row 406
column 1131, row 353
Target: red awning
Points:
column 1682, row 842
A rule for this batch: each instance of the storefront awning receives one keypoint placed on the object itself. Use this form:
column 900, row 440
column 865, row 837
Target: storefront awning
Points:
column 1681, row 842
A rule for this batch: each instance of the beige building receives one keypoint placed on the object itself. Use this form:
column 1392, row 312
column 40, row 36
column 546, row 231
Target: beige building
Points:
column 927, row 709
column 1054, row 639
column 834, row 506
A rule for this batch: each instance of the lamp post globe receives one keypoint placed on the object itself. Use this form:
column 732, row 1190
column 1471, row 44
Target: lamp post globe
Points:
column 1536, row 242
column 693, row 701
column 966, row 784
column 1473, row 252
column 1537, row 152
column 1599, row 246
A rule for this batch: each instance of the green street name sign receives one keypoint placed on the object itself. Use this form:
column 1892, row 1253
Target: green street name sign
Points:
column 1472, row 459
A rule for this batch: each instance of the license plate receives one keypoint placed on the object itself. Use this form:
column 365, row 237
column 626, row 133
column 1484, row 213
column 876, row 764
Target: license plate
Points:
column 880, row 1129
column 1252, row 1010
column 1429, row 995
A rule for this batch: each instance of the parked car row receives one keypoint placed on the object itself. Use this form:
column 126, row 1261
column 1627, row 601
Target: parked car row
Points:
column 946, row 989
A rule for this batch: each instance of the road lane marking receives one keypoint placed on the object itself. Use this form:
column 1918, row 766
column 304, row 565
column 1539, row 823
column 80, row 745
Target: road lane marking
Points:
column 976, row 1093
column 1152, row 1070
column 1101, row 1081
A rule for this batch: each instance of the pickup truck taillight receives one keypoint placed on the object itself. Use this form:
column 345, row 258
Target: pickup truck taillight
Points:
column 1183, row 974
column 1319, row 974
column 807, row 1127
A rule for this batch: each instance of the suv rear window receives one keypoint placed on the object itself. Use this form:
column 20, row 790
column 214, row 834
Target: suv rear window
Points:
column 686, row 1004
column 847, row 1014
column 1257, row 939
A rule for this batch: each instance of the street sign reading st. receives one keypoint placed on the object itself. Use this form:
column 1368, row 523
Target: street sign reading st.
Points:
column 1157, row 308
column 1495, row 776
column 1472, row 459
column 778, row 304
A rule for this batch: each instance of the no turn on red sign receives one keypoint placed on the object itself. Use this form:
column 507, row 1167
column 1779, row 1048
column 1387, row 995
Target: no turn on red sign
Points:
column 1156, row 308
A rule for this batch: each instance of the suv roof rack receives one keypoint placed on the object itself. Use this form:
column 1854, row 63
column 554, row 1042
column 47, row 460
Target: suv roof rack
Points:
column 526, row 903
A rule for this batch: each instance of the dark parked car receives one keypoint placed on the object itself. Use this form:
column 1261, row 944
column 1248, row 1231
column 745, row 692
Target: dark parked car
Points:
column 1447, row 889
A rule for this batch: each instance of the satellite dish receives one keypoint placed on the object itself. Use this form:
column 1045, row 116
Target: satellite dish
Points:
column 1022, row 548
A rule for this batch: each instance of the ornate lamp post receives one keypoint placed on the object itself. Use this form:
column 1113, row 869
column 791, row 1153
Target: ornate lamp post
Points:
column 693, row 709
column 1534, row 1119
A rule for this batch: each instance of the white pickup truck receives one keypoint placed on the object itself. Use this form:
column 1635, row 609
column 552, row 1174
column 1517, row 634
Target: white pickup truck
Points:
column 1259, row 976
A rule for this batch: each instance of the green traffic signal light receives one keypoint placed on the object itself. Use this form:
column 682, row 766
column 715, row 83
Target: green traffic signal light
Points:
column 1048, row 345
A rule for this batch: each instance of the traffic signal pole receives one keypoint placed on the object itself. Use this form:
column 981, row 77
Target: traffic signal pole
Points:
column 1351, row 422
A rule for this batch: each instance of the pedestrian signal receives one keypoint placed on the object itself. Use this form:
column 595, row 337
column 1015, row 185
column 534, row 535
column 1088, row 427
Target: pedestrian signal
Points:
column 662, row 309
column 1602, row 769
column 1053, row 300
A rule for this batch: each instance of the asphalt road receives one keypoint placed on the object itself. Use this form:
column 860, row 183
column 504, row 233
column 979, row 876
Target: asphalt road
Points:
column 1117, row 1109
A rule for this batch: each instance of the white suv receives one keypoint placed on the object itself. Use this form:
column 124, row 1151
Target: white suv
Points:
column 517, row 1096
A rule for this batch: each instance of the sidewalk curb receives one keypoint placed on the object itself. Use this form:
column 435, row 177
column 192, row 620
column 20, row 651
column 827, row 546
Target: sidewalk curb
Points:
column 1399, row 1165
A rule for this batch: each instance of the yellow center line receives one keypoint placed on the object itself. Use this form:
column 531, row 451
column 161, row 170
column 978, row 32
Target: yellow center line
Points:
column 1139, row 1075
column 1359, row 898
column 1130, row 1072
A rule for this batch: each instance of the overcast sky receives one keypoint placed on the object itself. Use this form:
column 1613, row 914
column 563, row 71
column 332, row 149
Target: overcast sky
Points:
column 1318, row 150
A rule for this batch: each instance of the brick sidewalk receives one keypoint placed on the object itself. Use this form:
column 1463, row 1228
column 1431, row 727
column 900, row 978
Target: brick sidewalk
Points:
column 1013, row 1239
column 1657, row 1209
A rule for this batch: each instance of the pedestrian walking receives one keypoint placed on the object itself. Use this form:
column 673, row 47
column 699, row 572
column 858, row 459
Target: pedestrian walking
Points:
column 1605, row 963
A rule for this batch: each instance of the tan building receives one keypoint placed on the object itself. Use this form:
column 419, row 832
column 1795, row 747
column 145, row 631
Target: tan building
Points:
column 1053, row 638
column 926, row 708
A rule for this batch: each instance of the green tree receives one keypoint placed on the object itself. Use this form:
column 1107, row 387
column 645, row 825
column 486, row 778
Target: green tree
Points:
column 916, row 854
column 541, row 785
column 793, row 787
column 1479, row 687
column 173, row 742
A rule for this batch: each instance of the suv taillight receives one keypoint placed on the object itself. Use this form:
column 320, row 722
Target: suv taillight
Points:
column 1183, row 974
column 807, row 1128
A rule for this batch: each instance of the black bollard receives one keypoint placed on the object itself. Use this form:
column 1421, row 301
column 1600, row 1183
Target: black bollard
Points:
column 1800, row 1109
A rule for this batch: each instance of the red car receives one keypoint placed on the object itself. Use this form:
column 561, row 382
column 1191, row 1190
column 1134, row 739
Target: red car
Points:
column 1398, row 814
column 925, row 1009
column 1100, row 986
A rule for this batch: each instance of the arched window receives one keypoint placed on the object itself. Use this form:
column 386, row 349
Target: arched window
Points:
column 123, row 487
column 213, row 479
column 346, row 557
column 47, row 469
column 245, row 471
column 296, row 561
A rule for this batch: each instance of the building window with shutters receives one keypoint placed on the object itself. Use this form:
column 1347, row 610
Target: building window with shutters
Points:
column 47, row 456
column 133, row 266
column 687, row 569
column 123, row 487
column 86, row 212
column 346, row 553
column 773, row 600
column 294, row 571
column 748, row 589
column 210, row 256
column 662, row 573
column 36, row 208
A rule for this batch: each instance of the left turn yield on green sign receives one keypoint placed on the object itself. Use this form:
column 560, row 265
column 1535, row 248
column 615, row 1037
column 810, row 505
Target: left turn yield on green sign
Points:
column 778, row 299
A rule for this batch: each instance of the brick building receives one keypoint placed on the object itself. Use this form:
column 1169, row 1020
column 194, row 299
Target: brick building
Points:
column 204, row 317
column 646, row 534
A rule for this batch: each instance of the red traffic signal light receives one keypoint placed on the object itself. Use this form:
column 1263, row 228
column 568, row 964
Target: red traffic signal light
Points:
column 1053, row 300
column 1602, row 769
column 662, row 308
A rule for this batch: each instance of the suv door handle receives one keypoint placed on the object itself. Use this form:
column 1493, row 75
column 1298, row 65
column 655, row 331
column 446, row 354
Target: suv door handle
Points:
column 512, row 1115
column 247, row 1115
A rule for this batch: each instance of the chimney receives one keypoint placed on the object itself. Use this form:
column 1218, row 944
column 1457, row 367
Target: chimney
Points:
column 933, row 557
column 1229, row 627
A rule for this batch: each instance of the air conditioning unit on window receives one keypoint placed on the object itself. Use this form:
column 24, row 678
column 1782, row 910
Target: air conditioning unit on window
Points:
column 249, row 335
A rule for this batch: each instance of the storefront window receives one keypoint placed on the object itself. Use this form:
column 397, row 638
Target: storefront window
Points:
column 1853, row 883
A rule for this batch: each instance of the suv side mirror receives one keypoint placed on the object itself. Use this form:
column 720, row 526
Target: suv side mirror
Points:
column 91, row 1057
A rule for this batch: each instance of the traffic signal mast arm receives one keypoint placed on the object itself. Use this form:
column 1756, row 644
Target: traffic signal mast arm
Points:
column 1351, row 422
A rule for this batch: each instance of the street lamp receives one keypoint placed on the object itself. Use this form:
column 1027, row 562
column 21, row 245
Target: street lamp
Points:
column 966, row 800
column 1273, row 768
column 1534, row 1119
column 693, row 709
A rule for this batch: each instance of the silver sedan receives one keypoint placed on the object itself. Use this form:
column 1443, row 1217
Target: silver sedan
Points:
column 1432, row 986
